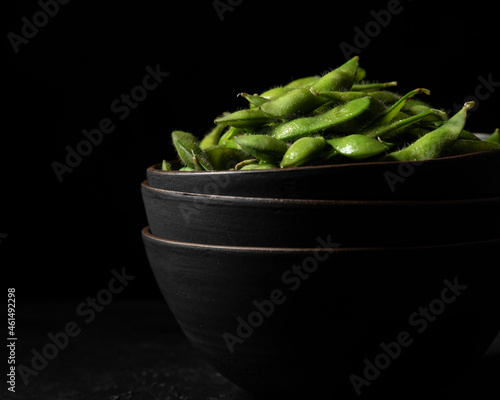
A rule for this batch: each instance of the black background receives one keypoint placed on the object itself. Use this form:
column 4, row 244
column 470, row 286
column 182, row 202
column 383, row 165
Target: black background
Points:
column 61, row 240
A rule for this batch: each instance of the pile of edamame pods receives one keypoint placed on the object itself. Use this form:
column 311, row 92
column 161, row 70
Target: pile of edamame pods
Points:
column 335, row 118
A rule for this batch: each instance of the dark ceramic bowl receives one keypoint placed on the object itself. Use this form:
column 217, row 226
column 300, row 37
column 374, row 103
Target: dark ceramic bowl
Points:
column 269, row 222
column 332, row 322
column 466, row 176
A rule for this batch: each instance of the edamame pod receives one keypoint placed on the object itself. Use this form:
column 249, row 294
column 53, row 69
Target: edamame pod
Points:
column 494, row 137
column 303, row 151
column 389, row 131
column 394, row 110
column 341, row 78
column 369, row 87
column 247, row 119
column 212, row 138
column 357, row 146
column 189, row 151
column 466, row 146
column 223, row 158
column 436, row 142
column 306, row 126
column 297, row 101
column 302, row 82
column 263, row 147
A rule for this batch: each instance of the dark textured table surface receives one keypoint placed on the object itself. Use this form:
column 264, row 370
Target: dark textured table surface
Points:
column 134, row 350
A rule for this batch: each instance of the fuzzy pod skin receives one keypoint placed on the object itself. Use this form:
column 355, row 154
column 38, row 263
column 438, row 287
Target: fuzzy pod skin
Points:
column 224, row 158
column 357, row 146
column 263, row 147
column 246, row 119
column 494, row 137
column 435, row 143
column 306, row 81
column 303, row 151
column 306, row 126
column 295, row 102
column 341, row 78
column 391, row 130
column 189, row 151
column 212, row 138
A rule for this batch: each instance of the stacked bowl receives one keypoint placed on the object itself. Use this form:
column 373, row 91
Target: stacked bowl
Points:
column 344, row 280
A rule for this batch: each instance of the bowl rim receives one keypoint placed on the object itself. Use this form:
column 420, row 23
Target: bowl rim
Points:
column 295, row 201
column 155, row 167
column 146, row 233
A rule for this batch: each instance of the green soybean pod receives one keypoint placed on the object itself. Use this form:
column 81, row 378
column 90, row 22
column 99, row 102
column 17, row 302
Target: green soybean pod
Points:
column 306, row 81
column 258, row 166
column 306, row 126
column 189, row 151
column 247, row 119
column 303, row 151
column 466, row 146
column 212, row 138
column 494, row 137
column 357, row 146
column 389, row 131
column 223, row 158
column 394, row 110
column 369, row 87
column 254, row 100
column 275, row 92
column 166, row 166
column 230, row 134
column 435, row 143
column 341, row 78
column 297, row 101
column 263, row 147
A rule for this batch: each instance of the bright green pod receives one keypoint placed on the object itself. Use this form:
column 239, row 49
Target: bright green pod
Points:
column 435, row 143
column 341, row 78
column 246, row 119
column 258, row 166
column 230, row 134
column 375, row 86
column 357, row 146
column 166, row 166
column 385, row 96
column 189, row 151
column 306, row 126
column 254, row 100
column 297, row 101
column 263, row 147
column 212, row 138
column 360, row 75
column 306, row 81
column 389, row 131
column 275, row 92
column 466, row 146
column 303, row 151
column 223, row 158
column 394, row 110
column 494, row 137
